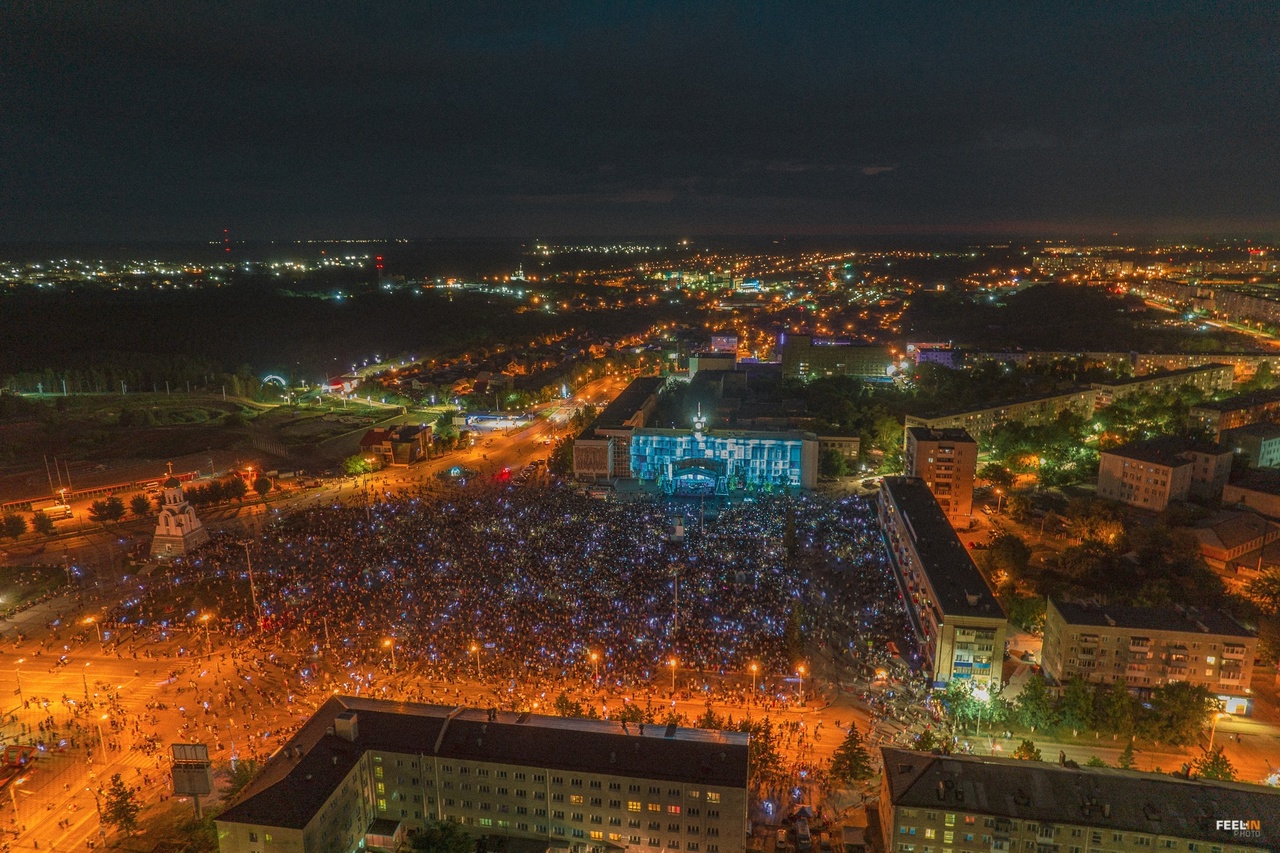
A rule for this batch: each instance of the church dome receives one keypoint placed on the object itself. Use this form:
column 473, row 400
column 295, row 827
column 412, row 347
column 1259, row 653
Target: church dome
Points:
column 173, row 483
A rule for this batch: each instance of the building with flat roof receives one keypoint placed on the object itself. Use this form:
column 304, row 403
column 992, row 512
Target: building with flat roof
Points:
column 947, row 461
column 1209, row 379
column 1258, row 490
column 1149, row 647
column 603, row 450
column 1217, row 417
column 1149, row 474
column 958, row 624
column 1028, row 410
column 399, row 445
column 807, row 357
column 366, row 766
column 1257, row 444
column 970, row 803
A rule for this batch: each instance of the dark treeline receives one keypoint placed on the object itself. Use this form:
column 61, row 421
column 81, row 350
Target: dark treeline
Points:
column 210, row 337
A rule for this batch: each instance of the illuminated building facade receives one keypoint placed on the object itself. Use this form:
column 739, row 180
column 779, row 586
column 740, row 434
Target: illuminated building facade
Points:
column 703, row 462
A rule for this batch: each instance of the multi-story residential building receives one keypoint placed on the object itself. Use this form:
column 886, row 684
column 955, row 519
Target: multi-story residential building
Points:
column 1149, row 474
column 1150, row 647
column 1208, row 379
column 363, row 769
column 806, row 357
column 967, row 803
column 1257, row 444
column 1032, row 410
column 1235, row 412
column 947, row 460
column 848, row 446
column 958, row 624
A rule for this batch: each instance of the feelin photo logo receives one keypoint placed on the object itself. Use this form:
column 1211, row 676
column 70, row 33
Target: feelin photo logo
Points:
column 1241, row 828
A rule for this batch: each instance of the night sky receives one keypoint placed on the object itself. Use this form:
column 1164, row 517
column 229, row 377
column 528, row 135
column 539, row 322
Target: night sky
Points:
column 174, row 120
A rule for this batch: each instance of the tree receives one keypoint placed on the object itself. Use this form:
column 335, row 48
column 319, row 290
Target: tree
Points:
column 120, row 806
column 1264, row 591
column 1117, row 710
column 1126, row 760
column 1027, row 751
column 997, row 475
column 763, row 755
column 44, row 524
column 1095, row 761
column 832, row 463
column 928, row 741
column 234, row 489
column 242, row 773
column 1075, row 708
column 851, row 763
column 1214, row 765
column 1008, row 554
column 140, row 505
column 1179, row 712
column 356, row 465
column 1034, row 706
column 262, row 486
column 103, row 511
column 443, row 836
column 13, row 525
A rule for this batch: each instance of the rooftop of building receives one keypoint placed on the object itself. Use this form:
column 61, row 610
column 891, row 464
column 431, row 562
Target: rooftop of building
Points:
column 631, row 400
column 960, row 588
column 1231, row 529
column 1121, row 800
column 1264, row 480
column 1004, row 404
column 1189, row 619
column 1261, row 429
column 953, row 434
column 1240, row 401
column 290, row 789
column 1163, row 374
column 1167, row 450
column 740, row 434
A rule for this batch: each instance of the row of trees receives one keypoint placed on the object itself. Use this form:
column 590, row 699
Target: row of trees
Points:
column 1175, row 714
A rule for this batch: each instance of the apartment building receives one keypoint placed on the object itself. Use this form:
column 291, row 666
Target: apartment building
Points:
column 362, row 771
column 1216, row 418
column 1149, row 474
column 967, row 803
column 807, row 357
column 1150, row 647
column 1031, row 410
column 1208, row 379
column 958, row 624
column 1257, row 444
column 947, row 461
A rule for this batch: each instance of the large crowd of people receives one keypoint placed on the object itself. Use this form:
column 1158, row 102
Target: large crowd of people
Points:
column 538, row 589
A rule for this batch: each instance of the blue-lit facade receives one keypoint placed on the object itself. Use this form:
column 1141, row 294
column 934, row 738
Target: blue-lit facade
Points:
column 698, row 462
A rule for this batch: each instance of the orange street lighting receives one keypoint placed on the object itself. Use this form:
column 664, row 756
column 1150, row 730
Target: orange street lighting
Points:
column 672, row 664
column 754, row 670
column 391, row 644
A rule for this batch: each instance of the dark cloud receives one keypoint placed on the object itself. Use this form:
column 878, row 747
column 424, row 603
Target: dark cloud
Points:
column 173, row 120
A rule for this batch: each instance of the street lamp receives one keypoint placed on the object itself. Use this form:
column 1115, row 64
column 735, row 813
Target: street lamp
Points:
column 207, row 641
column 84, row 676
column 754, row 670
column 595, row 668
column 1214, row 731
column 672, row 663
column 984, row 696
column 391, row 644
column 17, row 672
column 102, row 740
column 999, row 500
column 476, row 649
column 89, row 620
column 800, row 672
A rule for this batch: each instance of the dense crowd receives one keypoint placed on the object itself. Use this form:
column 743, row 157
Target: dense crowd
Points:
column 521, row 588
